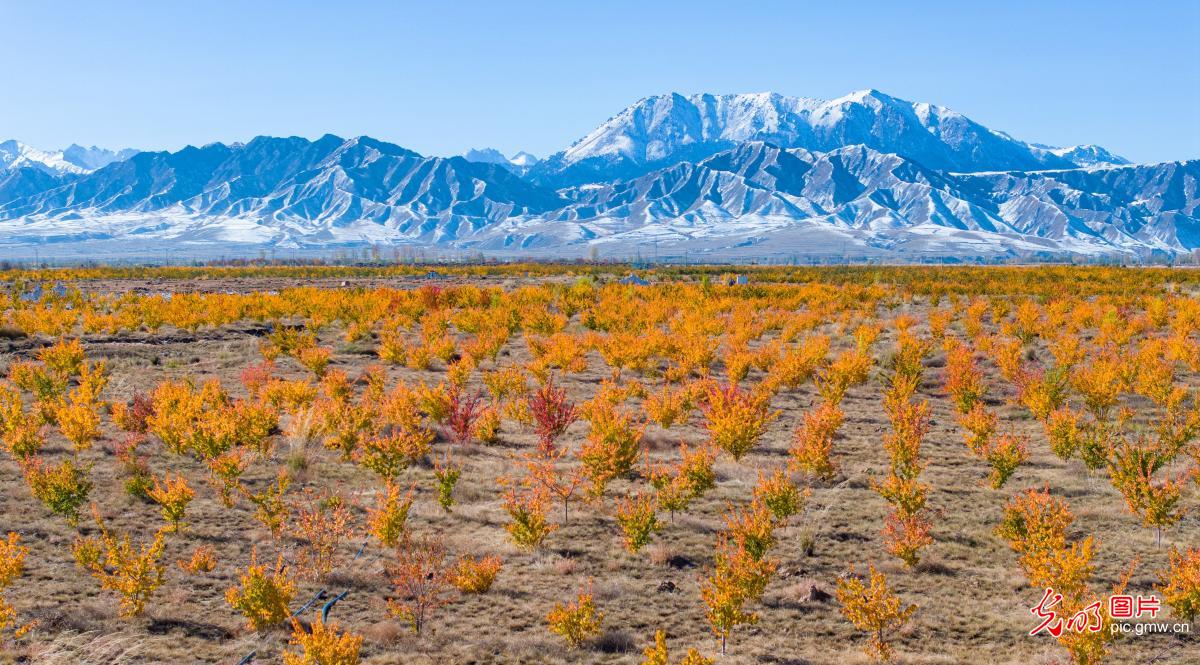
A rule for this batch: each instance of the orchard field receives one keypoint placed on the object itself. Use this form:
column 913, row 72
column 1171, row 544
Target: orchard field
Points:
column 540, row 464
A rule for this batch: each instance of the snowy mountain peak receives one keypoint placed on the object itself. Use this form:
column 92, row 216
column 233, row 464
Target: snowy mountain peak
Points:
column 92, row 158
column 520, row 163
column 17, row 155
column 485, row 156
column 673, row 127
column 865, row 96
column 1087, row 155
column 523, row 159
column 75, row 159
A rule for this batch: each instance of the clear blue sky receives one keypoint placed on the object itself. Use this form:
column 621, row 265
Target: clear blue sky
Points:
column 440, row 77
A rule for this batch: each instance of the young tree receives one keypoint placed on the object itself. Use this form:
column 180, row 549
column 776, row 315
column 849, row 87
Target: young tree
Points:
column 225, row 473
column 612, row 449
column 552, row 413
column 420, row 577
column 387, row 520
column 576, row 621
column 325, row 644
column 62, row 487
column 203, row 560
column 638, row 522
column 812, row 448
column 79, row 424
column 905, row 536
column 1035, row 525
column 850, row 368
column 735, row 419
column 321, row 524
column 737, row 578
column 964, row 381
column 979, row 424
column 464, row 412
column 1132, row 468
column 780, row 495
column 1179, row 584
column 134, row 574
column 473, row 575
column 690, row 479
column 659, row 655
column 12, row 562
column 270, row 507
column 545, row 474
column 668, row 407
column 173, row 496
column 1005, row 455
column 872, row 606
column 447, row 474
column 263, row 595
column 528, row 527
column 906, row 529
column 751, row 528
column 389, row 454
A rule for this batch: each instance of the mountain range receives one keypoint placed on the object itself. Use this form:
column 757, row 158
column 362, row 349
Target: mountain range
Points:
column 715, row 176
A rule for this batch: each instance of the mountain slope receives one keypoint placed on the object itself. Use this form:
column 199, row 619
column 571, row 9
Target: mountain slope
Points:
column 296, row 192
column 877, row 200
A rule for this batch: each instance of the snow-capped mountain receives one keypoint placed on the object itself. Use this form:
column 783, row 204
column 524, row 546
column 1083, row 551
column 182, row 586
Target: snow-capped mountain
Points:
column 720, row 177
column 522, row 163
column 16, row 155
column 1084, row 155
column 90, row 159
column 73, row 160
column 485, row 156
column 519, row 163
column 660, row 130
column 523, row 160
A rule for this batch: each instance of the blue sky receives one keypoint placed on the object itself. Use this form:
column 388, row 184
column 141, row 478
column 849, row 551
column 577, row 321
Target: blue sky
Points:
column 440, row 77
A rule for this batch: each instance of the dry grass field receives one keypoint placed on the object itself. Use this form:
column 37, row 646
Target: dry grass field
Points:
column 335, row 384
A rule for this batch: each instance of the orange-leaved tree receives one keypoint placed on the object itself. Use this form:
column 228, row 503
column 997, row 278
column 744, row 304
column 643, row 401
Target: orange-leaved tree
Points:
column 324, row 644
column 263, row 594
column 736, row 419
column 133, row 573
column 872, row 606
column 576, row 621
column 1180, row 584
column 12, row 562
